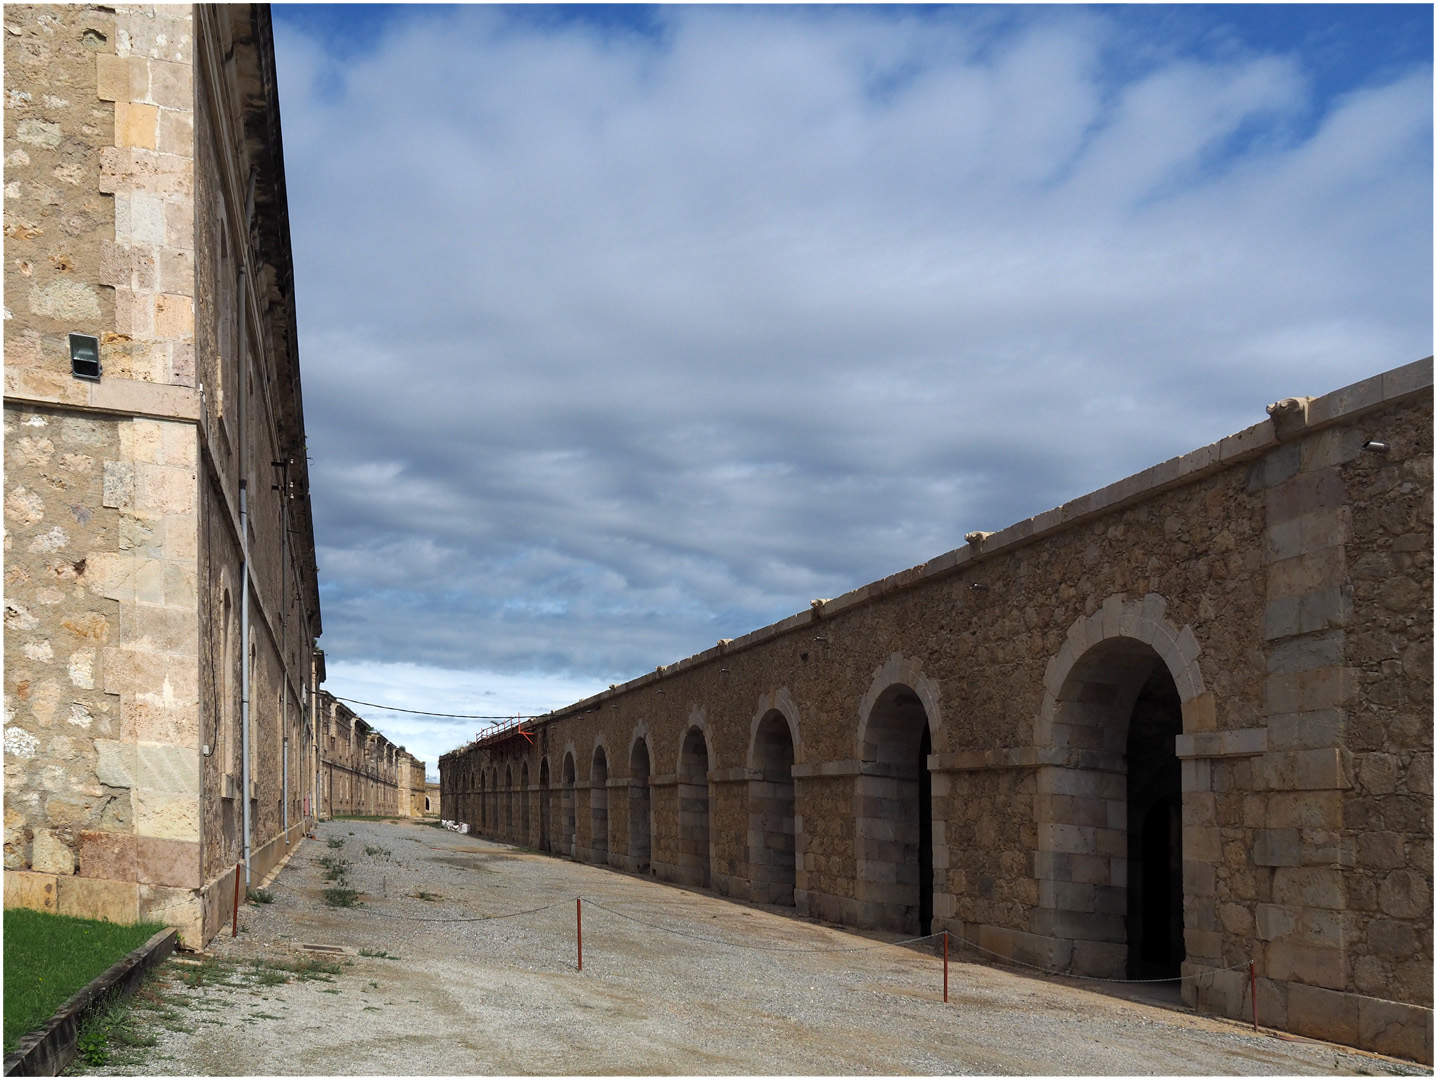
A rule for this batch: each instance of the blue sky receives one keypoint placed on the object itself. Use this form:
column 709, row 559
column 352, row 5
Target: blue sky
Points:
column 627, row 329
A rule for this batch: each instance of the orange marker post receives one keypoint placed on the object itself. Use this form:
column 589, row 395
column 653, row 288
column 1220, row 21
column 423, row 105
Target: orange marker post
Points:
column 234, row 930
column 945, row 967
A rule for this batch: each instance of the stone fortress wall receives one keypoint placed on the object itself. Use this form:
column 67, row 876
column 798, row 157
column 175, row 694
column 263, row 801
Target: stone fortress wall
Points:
column 1175, row 725
column 361, row 773
column 145, row 206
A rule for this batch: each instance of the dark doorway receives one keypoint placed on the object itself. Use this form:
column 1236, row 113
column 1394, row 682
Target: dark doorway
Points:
column 925, row 835
column 1155, row 884
column 895, row 824
column 772, row 845
column 693, row 794
column 640, row 844
column 545, row 842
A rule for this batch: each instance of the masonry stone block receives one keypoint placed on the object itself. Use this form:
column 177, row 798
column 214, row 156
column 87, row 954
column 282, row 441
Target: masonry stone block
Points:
column 1390, row 1027
column 26, row 889
column 1405, row 894
column 97, row 898
column 1324, row 1014
column 1277, row 847
column 1292, row 810
column 1308, row 887
column 50, row 854
column 108, row 855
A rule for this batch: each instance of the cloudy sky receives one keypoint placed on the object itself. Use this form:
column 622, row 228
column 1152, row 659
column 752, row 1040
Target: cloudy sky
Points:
column 627, row 329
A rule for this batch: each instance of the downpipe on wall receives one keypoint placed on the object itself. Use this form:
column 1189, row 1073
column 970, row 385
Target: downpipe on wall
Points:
column 246, row 658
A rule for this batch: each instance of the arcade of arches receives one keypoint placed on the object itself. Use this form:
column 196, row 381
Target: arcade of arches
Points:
column 1176, row 725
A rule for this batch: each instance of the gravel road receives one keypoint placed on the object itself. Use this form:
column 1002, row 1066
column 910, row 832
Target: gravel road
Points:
column 673, row 982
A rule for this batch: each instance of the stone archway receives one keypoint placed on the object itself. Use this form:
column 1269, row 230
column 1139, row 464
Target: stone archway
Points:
column 772, row 818
column 546, row 840
column 640, row 807
column 1109, row 862
column 508, row 802
column 693, row 806
column 599, row 806
column 568, row 826
column 524, row 804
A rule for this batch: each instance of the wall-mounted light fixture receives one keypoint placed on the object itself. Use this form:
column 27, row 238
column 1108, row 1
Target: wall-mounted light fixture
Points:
column 85, row 357
column 979, row 586
column 1371, row 444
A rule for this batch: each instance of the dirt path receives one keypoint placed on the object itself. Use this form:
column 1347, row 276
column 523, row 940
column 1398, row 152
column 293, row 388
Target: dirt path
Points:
column 674, row 982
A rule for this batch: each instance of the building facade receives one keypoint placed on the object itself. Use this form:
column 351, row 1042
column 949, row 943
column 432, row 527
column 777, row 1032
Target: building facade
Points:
column 1173, row 727
column 361, row 773
column 161, row 599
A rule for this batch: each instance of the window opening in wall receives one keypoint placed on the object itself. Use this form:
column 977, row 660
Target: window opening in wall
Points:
column 693, row 796
column 771, row 839
column 640, row 808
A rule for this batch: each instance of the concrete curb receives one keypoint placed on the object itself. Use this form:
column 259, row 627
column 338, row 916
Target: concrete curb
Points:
column 47, row 1050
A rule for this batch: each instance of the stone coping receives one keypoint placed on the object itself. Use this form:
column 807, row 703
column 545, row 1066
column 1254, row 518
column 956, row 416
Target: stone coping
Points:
column 1313, row 414
column 47, row 1050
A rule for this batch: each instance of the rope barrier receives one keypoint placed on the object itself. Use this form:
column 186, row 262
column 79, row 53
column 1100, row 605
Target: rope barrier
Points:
column 1094, row 978
column 758, row 948
column 945, row 935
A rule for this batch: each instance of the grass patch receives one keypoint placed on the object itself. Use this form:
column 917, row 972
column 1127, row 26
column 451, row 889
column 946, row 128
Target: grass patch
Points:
column 341, row 897
column 430, row 897
column 49, row 957
column 337, row 842
column 260, row 896
column 371, row 849
column 378, row 954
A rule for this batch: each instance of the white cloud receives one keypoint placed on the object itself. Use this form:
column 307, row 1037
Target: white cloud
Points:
column 616, row 344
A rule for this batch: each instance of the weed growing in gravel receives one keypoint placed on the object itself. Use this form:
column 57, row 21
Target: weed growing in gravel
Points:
column 337, row 842
column 372, row 849
column 341, row 897
column 327, row 990
column 107, row 1028
column 421, row 894
column 378, row 954
column 260, row 896
column 304, row 968
column 336, row 868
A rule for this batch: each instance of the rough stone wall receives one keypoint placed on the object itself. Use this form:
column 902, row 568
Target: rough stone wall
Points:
column 360, row 771
column 1278, row 583
column 107, row 174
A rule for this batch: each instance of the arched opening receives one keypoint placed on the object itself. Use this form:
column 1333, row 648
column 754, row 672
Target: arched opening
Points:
column 1110, row 859
column 524, row 804
column 1155, row 834
column 771, row 839
column 599, row 806
column 640, row 829
column 545, row 840
column 483, row 815
column 508, row 800
column 895, row 815
column 568, row 823
column 693, row 793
